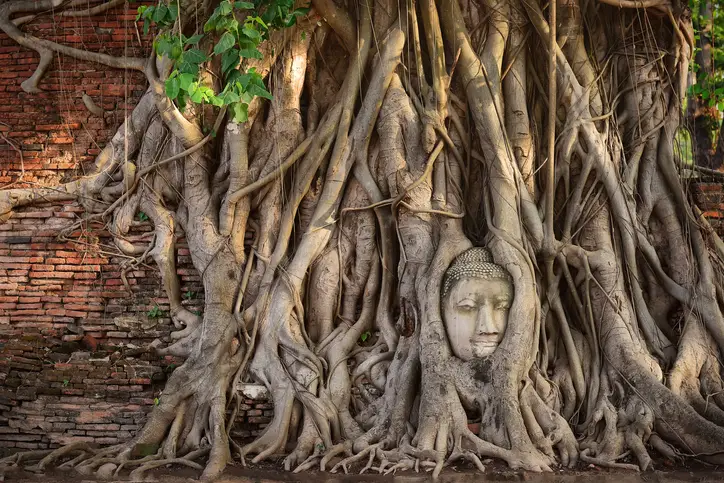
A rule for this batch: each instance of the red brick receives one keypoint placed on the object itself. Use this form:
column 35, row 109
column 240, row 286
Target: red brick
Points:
column 26, row 300
column 51, row 274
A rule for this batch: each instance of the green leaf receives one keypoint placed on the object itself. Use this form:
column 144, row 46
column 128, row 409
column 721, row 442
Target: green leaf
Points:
column 164, row 45
column 194, row 56
column 260, row 21
column 300, row 12
column 229, row 60
column 195, row 94
column 244, row 80
column 140, row 11
column 142, row 216
column 182, row 100
column 226, row 42
column 256, row 90
column 210, row 24
column 250, row 53
column 244, row 5
column 172, row 12
column 148, row 13
column 172, row 87
column 215, row 100
column 185, row 80
column 155, row 312
column 225, row 7
column 146, row 26
column 268, row 17
column 228, row 24
column 232, row 78
column 254, row 35
column 193, row 40
column 239, row 111
column 246, row 97
column 188, row 68
column 156, row 401
column 229, row 97
column 159, row 13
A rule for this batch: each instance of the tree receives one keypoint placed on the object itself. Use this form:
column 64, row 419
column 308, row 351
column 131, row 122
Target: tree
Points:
column 388, row 139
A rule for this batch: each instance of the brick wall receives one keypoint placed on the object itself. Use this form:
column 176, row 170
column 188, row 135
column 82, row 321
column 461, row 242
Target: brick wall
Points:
column 58, row 136
column 709, row 196
column 72, row 334
column 72, row 366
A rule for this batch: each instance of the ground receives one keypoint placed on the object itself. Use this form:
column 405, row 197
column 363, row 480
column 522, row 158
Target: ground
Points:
column 269, row 473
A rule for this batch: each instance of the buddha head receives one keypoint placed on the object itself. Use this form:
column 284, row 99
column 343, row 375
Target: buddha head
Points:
column 476, row 297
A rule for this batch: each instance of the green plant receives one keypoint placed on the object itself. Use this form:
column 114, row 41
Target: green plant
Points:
column 66, row 382
column 142, row 216
column 156, row 401
column 155, row 312
column 365, row 335
column 236, row 42
column 707, row 67
column 189, row 295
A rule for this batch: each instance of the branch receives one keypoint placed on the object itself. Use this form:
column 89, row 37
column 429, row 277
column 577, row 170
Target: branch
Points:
column 340, row 22
column 655, row 4
column 250, row 188
column 18, row 21
column 187, row 132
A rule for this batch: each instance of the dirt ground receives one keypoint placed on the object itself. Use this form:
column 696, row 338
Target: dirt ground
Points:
column 270, row 473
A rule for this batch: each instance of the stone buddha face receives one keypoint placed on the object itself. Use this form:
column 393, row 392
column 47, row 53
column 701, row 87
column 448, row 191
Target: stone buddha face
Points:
column 477, row 295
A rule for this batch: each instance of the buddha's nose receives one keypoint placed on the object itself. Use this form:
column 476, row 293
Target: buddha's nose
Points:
column 485, row 323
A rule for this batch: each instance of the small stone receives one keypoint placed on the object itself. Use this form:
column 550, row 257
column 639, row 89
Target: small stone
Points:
column 254, row 391
column 106, row 471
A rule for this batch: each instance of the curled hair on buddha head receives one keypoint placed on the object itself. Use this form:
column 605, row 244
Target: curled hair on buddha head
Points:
column 476, row 262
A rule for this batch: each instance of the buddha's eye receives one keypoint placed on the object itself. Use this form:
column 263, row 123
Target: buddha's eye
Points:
column 466, row 305
column 502, row 305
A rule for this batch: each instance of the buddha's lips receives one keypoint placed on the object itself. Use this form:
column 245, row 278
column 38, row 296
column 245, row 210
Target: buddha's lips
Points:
column 490, row 340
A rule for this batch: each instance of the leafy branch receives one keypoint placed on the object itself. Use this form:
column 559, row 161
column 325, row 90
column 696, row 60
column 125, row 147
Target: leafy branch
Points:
column 236, row 41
